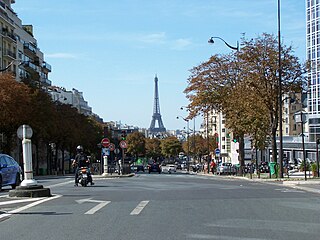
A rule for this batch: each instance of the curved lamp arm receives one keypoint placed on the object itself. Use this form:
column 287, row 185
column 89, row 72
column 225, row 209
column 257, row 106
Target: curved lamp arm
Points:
column 228, row 45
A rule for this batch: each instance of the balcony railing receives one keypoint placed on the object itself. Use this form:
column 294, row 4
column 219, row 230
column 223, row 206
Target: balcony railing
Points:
column 9, row 53
column 8, row 35
column 30, row 65
column 47, row 66
column 45, row 81
column 30, row 47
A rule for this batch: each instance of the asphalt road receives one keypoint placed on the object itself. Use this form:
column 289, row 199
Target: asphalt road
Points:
column 163, row 206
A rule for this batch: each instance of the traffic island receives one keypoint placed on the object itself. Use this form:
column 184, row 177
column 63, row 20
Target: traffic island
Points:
column 34, row 191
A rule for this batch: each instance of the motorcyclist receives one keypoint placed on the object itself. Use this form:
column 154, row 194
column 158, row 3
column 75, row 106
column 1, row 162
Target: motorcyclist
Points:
column 81, row 160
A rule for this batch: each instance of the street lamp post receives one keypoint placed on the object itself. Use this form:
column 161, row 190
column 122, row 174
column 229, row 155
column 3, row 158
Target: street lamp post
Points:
column 188, row 147
column 317, row 154
column 194, row 134
column 280, row 98
column 9, row 65
column 299, row 118
column 211, row 41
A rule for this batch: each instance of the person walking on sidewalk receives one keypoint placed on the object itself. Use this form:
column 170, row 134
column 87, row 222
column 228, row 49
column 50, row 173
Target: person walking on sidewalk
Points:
column 212, row 166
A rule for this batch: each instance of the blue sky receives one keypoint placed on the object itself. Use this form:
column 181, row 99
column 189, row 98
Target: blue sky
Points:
column 111, row 50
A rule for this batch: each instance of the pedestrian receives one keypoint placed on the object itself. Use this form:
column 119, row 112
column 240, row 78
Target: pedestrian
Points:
column 213, row 166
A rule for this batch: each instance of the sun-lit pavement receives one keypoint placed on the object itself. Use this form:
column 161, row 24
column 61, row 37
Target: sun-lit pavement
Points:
column 296, row 180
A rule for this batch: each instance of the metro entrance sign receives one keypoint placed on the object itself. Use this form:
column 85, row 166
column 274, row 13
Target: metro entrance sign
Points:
column 105, row 142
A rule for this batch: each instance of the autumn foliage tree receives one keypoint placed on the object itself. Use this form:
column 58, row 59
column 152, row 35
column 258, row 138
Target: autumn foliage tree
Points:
column 14, row 104
column 51, row 121
column 244, row 85
column 153, row 148
column 136, row 144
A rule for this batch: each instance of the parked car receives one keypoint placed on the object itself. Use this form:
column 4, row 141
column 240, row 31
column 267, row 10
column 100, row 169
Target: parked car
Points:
column 140, row 168
column 226, row 168
column 10, row 172
column 154, row 167
column 170, row 168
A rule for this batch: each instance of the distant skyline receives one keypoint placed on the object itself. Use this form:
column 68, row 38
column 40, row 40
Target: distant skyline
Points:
column 112, row 50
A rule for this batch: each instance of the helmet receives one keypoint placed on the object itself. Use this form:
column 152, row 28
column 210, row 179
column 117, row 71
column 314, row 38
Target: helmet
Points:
column 79, row 148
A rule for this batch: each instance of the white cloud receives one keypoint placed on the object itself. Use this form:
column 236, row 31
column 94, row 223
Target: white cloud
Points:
column 153, row 38
column 181, row 44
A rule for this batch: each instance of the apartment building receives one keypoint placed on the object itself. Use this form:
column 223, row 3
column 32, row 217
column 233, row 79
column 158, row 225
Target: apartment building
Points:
column 19, row 51
column 214, row 126
column 74, row 98
column 313, row 55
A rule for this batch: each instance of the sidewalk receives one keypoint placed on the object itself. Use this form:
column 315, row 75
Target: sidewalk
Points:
column 297, row 182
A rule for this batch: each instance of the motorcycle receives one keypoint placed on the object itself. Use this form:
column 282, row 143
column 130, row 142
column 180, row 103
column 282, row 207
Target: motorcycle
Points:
column 83, row 176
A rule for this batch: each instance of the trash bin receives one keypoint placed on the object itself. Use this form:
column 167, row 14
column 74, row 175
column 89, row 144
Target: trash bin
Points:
column 272, row 167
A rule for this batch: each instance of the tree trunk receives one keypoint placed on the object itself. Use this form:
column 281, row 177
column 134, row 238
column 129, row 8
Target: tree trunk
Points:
column 274, row 145
column 62, row 166
column 241, row 152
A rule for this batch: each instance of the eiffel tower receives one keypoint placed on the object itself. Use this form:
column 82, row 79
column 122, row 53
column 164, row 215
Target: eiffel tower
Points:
column 156, row 112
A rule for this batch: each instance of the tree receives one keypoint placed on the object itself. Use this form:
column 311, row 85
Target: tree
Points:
column 136, row 142
column 249, row 80
column 261, row 67
column 15, row 107
column 153, row 148
column 170, row 147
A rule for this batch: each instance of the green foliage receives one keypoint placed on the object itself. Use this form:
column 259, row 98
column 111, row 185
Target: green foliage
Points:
column 308, row 166
column 136, row 142
column 153, row 148
column 314, row 167
column 170, row 147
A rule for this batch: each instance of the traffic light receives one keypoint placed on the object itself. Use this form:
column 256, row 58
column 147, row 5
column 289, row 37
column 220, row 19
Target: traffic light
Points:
column 123, row 135
column 235, row 140
column 105, row 131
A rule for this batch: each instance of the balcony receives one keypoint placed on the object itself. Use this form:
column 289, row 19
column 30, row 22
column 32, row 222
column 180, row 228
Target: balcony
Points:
column 29, row 48
column 9, row 54
column 30, row 66
column 8, row 35
column 46, row 66
column 45, row 81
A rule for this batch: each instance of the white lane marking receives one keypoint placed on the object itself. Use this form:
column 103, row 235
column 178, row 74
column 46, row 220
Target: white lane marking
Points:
column 96, row 208
column 60, row 184
column 28, row 206
column 139, row 208
column 20, row 201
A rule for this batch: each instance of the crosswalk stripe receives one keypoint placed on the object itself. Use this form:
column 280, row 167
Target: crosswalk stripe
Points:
column 139, row 208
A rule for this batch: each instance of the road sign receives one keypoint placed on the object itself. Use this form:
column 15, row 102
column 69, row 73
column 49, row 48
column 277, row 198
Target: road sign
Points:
column 105, row 142
column 123, row 144
column 117, row 151
column 112, row 147
column 217, row 151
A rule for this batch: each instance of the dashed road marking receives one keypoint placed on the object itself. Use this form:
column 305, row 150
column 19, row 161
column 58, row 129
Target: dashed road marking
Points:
column 139, row 208
column 60, row 184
